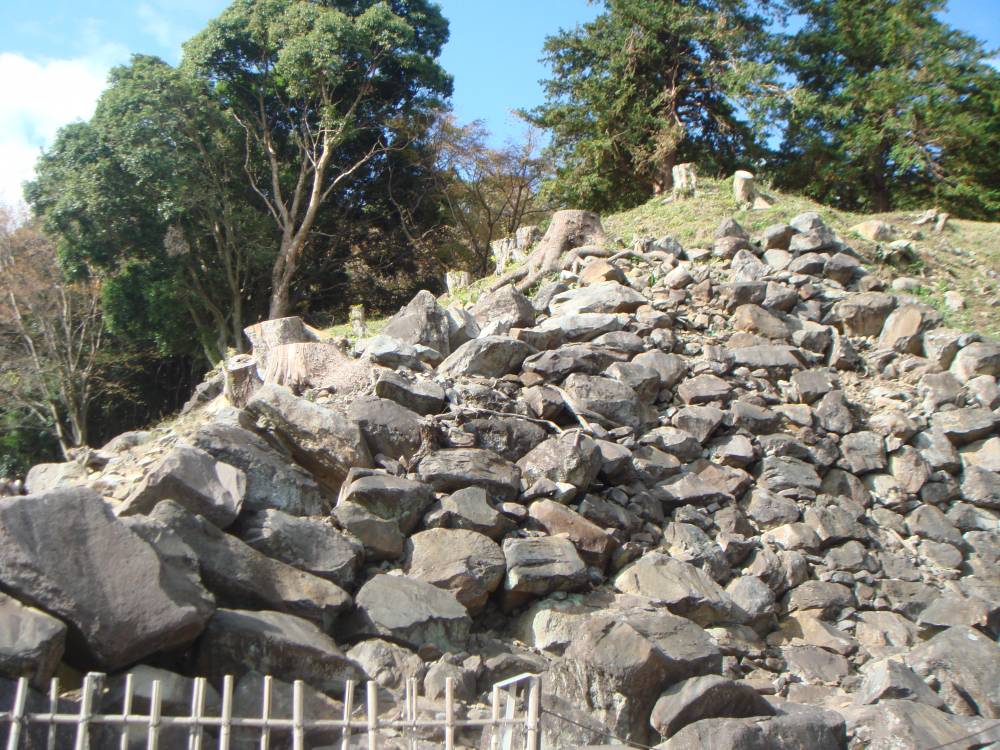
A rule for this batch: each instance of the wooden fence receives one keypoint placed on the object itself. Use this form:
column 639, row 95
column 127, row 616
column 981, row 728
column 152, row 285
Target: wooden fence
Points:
column 514, row 720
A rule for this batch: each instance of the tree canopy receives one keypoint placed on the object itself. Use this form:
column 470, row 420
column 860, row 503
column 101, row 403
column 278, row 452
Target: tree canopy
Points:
column 322, row 90
column 892, row 107
column 647, row 84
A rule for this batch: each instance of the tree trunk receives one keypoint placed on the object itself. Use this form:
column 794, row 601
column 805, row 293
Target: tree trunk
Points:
column 664, row 181
column 568, row 230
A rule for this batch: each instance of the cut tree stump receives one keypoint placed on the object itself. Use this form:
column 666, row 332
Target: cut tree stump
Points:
column 744, row 190
column 556, row 251
column 240, row 379
column 685, row 177
column 268, row 334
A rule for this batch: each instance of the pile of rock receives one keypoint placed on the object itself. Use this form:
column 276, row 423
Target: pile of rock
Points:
column 734, row 497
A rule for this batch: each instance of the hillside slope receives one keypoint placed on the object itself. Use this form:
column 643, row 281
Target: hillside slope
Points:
column 726, row 495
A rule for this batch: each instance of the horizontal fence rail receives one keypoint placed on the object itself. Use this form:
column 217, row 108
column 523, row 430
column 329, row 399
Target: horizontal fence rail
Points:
column 513, row 723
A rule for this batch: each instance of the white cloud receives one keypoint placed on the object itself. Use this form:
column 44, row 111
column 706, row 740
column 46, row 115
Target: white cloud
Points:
column 39, row 97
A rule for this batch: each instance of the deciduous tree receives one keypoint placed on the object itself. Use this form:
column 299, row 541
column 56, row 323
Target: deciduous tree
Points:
column 316, row 87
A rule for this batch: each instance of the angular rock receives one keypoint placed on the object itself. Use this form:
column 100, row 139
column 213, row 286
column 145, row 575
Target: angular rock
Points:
column 862, row 314
column 237, row 642
column 388, row 428
column 682, row 588
column 64, row 552
column 965, row 663
column 31, row 642
column 605, row 399
column 423, row 321
column 539, row 566
column 606, row 297
column 391, row 498
column 458, row 468
column 503, row 309
column 592, row 542
column 420, row 395
column 411, row 612
column 310, row 545
column 321, row 440
column 195, row 480
column 981, row 358
column 470, row 509
column 707, row 697
column 272, row 480
column 239, row 575
column 468, row 564
column 488, row 356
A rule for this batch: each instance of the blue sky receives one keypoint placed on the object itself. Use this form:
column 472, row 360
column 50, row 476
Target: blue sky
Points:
column 55, row 54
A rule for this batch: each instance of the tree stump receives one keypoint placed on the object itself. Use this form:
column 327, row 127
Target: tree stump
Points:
column 241, row 379
column 568, row 230
column 356, row 317
column 271, row 333
column 744, row 190
column 455, row 280
column 503, row 253
column 685, row 177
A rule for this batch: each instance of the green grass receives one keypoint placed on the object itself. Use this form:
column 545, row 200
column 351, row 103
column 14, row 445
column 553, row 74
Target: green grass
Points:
column 693, row 222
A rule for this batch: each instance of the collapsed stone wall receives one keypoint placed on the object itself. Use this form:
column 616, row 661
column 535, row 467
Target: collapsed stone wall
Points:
column 726, row 497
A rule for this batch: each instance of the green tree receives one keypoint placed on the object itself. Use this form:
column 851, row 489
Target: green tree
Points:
column 317, row 88
column 485, row 193
column 893, row 107
column 52, row 337
column 150, row 195
column 648, row 84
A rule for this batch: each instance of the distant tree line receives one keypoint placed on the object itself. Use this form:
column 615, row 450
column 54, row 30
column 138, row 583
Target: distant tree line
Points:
column 302, row 157
column 863, row 104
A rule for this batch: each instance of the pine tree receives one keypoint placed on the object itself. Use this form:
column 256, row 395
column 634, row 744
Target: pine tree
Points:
column 893, row 108
column 648, row 84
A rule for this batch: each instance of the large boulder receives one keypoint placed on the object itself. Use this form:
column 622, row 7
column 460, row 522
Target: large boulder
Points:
column 457, row 468
column 468, row 564
column 593, row 543
column 238, row 575
column 908, row 725
column 238, row 642
column 488, row 356
column 65, row 552
column 195, row 480
column 389, row 428
column 312, row 545
column 606, row 400
column 31, row 642
column 498, row 311
column 410, row 611
column 982, row 358
column 389, row 497
column 684, row 589
column 705, row 697
column 272, row 479
column 323, row 441
column 862, row 314
column 805, row 729
column 606, row 297
column 965, row 663
column 573, row 458
column 539, row 566
column 422, row 322
column 621, row 661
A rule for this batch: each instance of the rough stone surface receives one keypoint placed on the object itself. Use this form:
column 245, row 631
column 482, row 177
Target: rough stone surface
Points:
column 120, row 600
